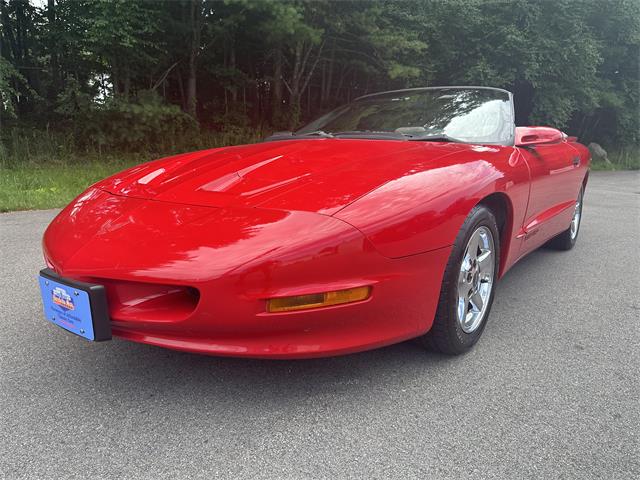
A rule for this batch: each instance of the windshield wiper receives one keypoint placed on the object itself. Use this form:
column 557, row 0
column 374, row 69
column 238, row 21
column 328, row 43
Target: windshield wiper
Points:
column 292, row 136
column 368, row 134
column 317, row 133
column 440, row 137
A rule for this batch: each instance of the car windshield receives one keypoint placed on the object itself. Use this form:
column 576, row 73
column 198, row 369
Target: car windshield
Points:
column 470, row 115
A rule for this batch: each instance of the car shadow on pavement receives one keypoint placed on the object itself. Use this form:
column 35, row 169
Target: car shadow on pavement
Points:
column 310, row 373
column 121, row 369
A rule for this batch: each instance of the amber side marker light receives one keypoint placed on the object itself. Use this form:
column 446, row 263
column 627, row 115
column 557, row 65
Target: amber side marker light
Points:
column 317, row 300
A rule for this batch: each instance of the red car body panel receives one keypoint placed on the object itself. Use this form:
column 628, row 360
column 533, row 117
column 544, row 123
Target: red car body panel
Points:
column 190, row 247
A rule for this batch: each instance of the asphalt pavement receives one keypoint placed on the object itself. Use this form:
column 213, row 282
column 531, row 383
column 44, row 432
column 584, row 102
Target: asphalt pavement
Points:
column 551, row 390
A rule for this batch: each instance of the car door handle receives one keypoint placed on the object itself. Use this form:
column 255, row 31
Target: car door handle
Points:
column 576, row 160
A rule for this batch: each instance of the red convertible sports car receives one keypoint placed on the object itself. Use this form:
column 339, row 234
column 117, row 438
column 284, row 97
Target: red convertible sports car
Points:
column 387, row 219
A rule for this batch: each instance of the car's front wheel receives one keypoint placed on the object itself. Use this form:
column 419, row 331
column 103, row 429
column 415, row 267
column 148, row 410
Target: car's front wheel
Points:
column 468, row 285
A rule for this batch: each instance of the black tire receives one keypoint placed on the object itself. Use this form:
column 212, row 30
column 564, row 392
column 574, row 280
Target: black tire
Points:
column 565, row 241
column 446, row 334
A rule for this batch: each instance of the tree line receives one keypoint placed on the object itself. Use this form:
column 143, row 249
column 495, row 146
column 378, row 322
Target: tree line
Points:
column 107, row 68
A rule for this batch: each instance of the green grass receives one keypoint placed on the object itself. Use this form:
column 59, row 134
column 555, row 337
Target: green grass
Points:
column 623, row 159
column 41, row 186
column 40, row 169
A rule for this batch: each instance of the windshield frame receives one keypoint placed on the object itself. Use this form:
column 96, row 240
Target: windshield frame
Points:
column 368, row 135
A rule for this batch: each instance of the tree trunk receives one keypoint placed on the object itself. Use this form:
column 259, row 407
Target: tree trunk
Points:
column 302, row 72
column 276, row 96
column 191, row 89
column 54, row 65
column 328, row 79
column 232, row 65
column 183, row 100
column 126, row 86
column 343, row 73
column 195, row 24
column 295, row 91
column 115, row 80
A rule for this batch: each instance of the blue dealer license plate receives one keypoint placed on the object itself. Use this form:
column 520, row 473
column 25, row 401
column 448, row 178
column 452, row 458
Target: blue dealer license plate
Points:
column 75, row 306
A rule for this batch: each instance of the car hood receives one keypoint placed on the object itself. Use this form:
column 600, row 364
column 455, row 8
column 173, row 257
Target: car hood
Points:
column 314, row 175
column 100, row 235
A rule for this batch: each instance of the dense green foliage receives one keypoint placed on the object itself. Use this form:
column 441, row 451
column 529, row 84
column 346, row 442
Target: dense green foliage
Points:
column 143, row 75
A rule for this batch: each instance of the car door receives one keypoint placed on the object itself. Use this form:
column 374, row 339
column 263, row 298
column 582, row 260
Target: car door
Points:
column 556, row 177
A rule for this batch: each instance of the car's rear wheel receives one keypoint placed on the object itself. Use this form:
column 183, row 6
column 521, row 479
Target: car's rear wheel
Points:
column 468, row 285
column 567, row 239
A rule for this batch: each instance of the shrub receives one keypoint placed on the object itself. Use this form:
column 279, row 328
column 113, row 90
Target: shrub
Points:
column 145, row 124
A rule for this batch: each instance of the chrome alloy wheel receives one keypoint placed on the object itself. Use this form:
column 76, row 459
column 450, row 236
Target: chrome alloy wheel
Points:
column 475, row 280
column 577, row 213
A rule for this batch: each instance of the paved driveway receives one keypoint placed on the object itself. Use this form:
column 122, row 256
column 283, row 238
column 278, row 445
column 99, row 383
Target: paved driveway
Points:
column 551, row 391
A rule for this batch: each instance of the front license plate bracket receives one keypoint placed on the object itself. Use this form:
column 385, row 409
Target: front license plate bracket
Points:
column 90, row 320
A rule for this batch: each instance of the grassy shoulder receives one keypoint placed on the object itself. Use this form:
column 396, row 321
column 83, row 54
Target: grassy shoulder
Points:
column 622, row 159
column 42, row 186
column 40, row 169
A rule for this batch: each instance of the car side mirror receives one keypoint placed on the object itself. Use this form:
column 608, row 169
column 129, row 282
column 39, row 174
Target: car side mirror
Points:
column 530, row 136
